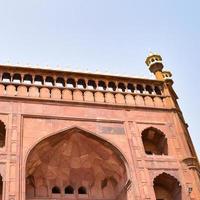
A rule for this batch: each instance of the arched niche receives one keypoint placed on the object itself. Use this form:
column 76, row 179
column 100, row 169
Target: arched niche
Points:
column 69, row 190
column 28, row 79
column 167, row 187
column 154, row 141
column 79, row 158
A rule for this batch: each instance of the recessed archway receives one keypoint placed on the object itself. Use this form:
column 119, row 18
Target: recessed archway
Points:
column 154, row 142
column 167, row 187
column 77, row 158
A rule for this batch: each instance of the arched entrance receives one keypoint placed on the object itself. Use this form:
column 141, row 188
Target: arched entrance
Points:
column 167, row 187
column 75, row 164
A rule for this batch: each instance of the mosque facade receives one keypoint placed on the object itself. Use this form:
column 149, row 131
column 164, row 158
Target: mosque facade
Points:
column 68, row 135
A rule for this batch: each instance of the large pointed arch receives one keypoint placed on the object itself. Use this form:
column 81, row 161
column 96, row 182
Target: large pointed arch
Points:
column 104, row 170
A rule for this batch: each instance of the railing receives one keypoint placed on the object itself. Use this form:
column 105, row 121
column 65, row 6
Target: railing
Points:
column 81, row 87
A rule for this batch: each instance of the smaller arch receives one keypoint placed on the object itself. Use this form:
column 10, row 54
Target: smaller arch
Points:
column 71, row 83
column 121, row 87
column 2, row 134
column 55, row 190
column 82, row 190
column 16, row 78
column 6, row 77
column 92, row 85
column 81, row 84
column 149, row 89
column 69, row 190
column 154, row 141
column 49, row 81
column 101, row 85
column 60, row 82
column 38, row 80
column 140, row 88
column 157, row 90
column 112, row 86
column 130, row 87
column 167, row 187
column 28, row 79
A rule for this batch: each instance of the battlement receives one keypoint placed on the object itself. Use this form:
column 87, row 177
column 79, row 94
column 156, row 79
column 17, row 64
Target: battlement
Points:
column 59, row 85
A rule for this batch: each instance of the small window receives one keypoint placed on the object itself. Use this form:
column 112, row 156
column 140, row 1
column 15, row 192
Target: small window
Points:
column 71, row 83
column 55, row 190
column 16, row 78
column 92, row 85
column 69, row 190
column 28, row 79
column 60, row 82
column 130, row 88
column 81, row 84
column 101, row 85
column 82, row 190
column 111, row 86
column 49, row 81
column 149, row 89
column 140, row 88
column 157, row 90
column 38, row 80
column 121, row 87
column 6, row 77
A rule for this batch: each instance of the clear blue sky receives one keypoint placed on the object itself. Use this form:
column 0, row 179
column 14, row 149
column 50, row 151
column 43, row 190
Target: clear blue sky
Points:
column 109, row 35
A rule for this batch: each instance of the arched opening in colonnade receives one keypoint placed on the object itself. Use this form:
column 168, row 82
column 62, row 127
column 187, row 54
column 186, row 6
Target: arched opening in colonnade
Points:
column 167, row 187
column 75, row 164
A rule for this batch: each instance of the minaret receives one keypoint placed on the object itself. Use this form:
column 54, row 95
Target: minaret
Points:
column 154, row 62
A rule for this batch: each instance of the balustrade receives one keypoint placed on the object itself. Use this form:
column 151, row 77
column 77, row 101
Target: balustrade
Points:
column 76, row 87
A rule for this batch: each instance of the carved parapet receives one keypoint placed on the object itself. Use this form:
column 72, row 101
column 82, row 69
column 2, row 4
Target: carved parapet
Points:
column 32, row 83
column 99, row 97
column 130, row 99
column 67, row 94
column 56, row 93
column 88, row 96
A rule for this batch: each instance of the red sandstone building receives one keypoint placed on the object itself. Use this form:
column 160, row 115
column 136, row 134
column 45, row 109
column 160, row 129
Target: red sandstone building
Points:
column 80, row 136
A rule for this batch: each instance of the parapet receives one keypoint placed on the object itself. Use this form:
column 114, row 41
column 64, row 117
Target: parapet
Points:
column 67, row 86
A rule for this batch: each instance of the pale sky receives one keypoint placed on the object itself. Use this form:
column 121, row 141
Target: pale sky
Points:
column 109, row 35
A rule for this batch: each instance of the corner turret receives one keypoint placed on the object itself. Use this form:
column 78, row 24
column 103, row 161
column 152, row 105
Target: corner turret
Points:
column 154, row 62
